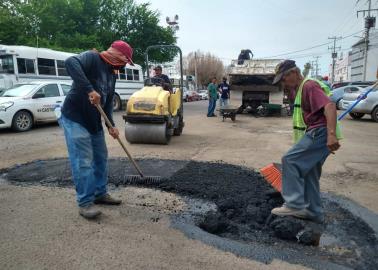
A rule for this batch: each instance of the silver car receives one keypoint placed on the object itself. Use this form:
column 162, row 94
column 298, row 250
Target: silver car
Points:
column 368, row 105
column 338, row 93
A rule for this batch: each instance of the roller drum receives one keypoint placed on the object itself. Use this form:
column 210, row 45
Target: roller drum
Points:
column 147, row 133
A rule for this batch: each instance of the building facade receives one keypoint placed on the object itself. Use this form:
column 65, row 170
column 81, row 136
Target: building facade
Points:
column 357, row 59
column 342, row 67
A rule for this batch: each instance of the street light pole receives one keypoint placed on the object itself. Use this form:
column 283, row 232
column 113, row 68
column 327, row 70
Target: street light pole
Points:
column 195, row 69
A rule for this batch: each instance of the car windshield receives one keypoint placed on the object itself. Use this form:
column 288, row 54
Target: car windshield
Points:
column 6, row 64
column 19, row 90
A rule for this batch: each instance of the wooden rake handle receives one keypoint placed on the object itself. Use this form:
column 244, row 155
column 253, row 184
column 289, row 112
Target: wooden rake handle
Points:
column 109, row 124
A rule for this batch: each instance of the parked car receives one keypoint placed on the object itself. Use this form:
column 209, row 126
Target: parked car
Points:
column 203, row 94
column 369, row 105
column 341, row 84
column 337, row 94
column 189, row 95
column 194, row 96
column 26, row 104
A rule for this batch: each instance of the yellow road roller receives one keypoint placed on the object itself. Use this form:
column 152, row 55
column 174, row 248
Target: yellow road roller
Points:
column 154, row 115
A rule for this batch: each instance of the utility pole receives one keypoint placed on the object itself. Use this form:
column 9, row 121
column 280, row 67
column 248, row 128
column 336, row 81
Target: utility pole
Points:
column 316, row 65
column 369, row 23
column 334, row 55
column 195, row 69
column 312, row 69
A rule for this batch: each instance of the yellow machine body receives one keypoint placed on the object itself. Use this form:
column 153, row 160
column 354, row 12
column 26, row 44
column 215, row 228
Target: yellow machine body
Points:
column 153, row 116
column 154, row 100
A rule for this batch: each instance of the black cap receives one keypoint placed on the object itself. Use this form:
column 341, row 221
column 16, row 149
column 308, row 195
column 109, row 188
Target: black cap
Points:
column 158, row 67
column 281, row 68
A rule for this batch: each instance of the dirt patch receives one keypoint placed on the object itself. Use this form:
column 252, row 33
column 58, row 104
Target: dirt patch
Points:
column 244, row 201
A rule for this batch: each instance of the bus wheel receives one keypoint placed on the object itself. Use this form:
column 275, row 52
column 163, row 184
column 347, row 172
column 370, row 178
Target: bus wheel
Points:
column 117, row 105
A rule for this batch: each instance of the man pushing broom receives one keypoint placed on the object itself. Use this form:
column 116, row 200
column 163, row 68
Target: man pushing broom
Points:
column 316, row 135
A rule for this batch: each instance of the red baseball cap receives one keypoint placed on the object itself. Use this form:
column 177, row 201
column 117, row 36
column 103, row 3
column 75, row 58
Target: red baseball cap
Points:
column 125, row 49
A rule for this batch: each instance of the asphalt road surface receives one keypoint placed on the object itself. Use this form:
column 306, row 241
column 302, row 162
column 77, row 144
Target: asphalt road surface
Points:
column 40, row 227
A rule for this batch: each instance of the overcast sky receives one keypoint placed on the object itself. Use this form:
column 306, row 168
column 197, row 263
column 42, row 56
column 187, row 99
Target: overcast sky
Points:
column 267, row 27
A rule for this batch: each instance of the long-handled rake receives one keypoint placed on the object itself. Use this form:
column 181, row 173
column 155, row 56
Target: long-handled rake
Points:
column 131, row 179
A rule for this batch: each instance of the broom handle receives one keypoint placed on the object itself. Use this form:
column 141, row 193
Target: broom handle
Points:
column 103, row 114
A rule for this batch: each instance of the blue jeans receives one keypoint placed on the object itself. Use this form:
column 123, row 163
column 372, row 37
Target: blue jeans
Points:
column 89, row 161
column 301, row 171
column 212, row 105
column 224, row 102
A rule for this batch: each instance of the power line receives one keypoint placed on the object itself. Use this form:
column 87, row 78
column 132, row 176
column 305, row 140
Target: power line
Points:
column 298, row 56
column 313, row 47
column 346, row 19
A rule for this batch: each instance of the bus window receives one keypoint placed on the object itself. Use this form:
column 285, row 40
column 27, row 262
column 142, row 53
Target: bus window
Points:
column 136, row 74
column 129, row 74
column 46, row 66
column 61, row 68
column 30, row 66
column 6, row 64
column 122, row 74
column 25, row 66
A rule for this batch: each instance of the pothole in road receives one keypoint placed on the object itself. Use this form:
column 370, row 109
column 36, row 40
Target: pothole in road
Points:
column 243, row 203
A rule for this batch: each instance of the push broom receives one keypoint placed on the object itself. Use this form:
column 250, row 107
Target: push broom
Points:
column 131, row 179
column 273, row 172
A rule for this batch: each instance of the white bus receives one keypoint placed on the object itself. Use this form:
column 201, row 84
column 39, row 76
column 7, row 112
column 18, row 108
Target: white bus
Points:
column 22, row 64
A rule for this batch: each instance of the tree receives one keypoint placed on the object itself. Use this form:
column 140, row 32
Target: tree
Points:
column 208, row 66
column 306, row 69
column 78, row 25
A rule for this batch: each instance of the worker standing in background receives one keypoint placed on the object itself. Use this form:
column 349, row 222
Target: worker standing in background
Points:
column 212, row 92
column 316, row 135
column 94, row 78
column 325, row 81
column 224, row 88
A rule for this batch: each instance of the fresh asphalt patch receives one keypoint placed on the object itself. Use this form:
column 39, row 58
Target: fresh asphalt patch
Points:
column 240, row 222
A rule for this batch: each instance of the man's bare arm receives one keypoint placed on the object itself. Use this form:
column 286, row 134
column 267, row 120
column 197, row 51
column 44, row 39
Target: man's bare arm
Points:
column 331, row 116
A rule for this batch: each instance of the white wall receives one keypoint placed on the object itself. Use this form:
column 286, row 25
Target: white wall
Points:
column 357, row 63
column 372, row 59
column 342, row 68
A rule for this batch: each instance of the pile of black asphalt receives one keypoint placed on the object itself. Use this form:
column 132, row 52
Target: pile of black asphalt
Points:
column 244, row 201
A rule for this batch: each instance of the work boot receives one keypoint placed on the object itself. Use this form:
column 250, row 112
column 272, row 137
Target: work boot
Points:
column 107, row 199
column 287, row 211
column 89, row 212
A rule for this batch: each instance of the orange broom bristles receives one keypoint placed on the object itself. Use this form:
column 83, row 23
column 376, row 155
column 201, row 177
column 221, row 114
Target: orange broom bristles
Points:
column 273, row 175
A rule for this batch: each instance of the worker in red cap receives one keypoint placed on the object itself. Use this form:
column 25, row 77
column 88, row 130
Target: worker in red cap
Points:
column 94, row 78
column 325, row 80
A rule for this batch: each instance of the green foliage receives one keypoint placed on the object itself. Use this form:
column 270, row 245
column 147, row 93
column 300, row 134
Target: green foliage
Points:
column 79, row 25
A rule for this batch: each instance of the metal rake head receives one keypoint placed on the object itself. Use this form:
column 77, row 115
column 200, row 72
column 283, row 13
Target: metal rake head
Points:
column 139, row 180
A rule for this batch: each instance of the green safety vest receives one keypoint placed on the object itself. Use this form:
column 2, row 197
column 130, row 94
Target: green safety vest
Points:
column 299, row 125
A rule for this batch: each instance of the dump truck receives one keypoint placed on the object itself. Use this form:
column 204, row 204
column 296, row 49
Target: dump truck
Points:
column 251, row 84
